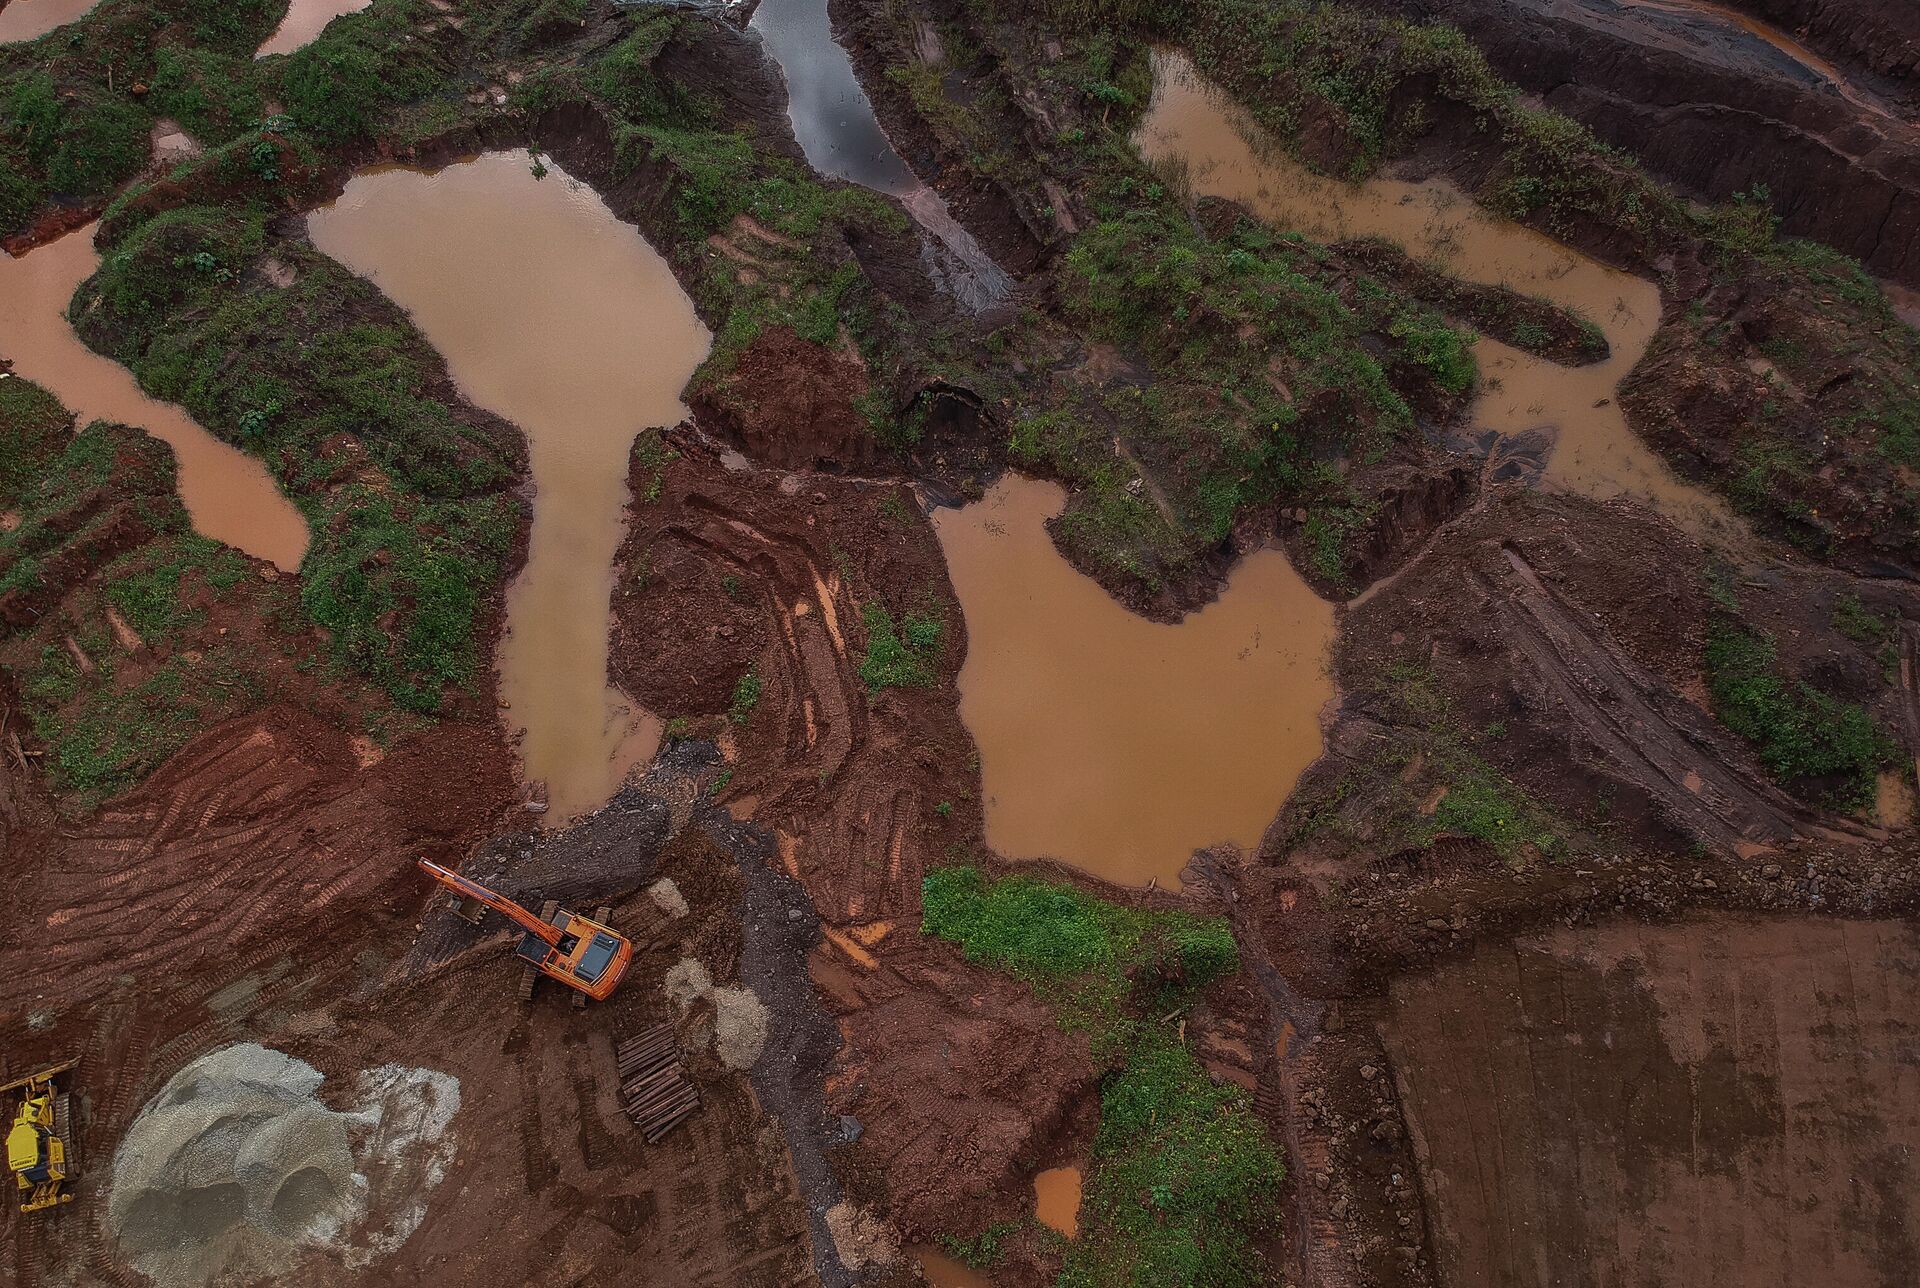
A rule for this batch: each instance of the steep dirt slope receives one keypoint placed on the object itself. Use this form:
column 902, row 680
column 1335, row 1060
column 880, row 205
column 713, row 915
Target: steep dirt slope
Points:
column 1718, row 111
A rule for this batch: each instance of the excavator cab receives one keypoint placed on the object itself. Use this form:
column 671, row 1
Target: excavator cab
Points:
column 40, row 1145
column 584, row 953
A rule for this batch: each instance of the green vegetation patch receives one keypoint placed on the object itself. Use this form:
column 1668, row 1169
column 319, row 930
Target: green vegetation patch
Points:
column 1183, row 1177
column 746, row 696
column 76, row 104
column 406, row 491
column 98, row 532
column 903, row 657
column 1807, row 739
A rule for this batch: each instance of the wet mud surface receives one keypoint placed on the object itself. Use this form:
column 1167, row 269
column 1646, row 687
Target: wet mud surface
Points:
column 1543, row 975
column 1681, row 1073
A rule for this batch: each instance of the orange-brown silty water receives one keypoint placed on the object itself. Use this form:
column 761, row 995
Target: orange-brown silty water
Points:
column 1193, row 128
column 228, row 494
column 1114, row 743
column 25, row 19
column 304, row 22
column 554, row 314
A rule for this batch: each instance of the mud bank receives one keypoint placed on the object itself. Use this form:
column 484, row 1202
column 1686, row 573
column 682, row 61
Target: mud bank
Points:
column 1717, row 110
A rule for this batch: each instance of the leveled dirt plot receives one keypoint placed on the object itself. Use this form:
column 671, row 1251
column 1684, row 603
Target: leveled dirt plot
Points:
column 1716, row 1103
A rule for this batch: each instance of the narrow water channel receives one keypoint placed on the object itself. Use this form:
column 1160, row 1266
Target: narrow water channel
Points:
column 1117, row 744
column 26, row 19
column 836, row 128
column 1193, row 127
column 228, row 494
column 304, row 22
column 558, row 316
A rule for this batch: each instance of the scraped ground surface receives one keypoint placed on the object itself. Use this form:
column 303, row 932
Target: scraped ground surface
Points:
column 1715, row 1103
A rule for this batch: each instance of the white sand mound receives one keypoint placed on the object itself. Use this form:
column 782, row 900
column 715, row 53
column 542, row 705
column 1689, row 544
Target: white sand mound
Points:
column 739, row 1016
column 666, row 896
column 236, row 1167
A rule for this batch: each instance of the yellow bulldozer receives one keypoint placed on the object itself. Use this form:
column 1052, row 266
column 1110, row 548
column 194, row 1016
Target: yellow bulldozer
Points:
column 40, row 1146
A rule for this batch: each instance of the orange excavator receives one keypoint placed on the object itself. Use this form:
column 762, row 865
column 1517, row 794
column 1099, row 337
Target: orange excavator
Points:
column 581, row 952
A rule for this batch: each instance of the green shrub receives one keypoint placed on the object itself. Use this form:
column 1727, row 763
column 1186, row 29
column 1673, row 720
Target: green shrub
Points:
column 893, row 662
column 746, row 696
column 1802, row 734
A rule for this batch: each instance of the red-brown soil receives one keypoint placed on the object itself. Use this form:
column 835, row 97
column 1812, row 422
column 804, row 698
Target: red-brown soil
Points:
column 958, row 1076
column 758, row 569
column 1712, row 1102
column 790, row 402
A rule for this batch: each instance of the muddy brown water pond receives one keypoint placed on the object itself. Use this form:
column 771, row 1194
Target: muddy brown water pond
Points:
column 559, row 317
column 1117, row 744
column 1056, row 1200
column 835, row 125
column 943, row 1271
column 229, row 495
column 26, row 19
column 1197, row 132
column 304, row 22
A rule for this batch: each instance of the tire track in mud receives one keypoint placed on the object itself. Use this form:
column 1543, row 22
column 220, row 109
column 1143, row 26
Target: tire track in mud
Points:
column 1293, row 1022
column 1649, row 735
column 842, row 777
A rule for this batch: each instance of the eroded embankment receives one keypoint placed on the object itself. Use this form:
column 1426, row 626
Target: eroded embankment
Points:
column 1719, row 110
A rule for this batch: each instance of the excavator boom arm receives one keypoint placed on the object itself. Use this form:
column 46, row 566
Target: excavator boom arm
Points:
column 506, row 907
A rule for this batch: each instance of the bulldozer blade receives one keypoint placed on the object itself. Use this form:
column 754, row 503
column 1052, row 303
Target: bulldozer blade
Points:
column 44, row 1075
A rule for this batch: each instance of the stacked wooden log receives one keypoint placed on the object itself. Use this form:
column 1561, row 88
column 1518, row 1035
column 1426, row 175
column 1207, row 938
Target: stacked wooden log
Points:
column 653, row 1083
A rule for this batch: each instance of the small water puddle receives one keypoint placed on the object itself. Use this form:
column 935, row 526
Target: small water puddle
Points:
column 1193, row 125
column 1117, row 744
column 943, row 1271
column 1056, row 1200
column 304, row 22
column 26, row 19
column 552, row 313
column 228, row 494
column 837, row 130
